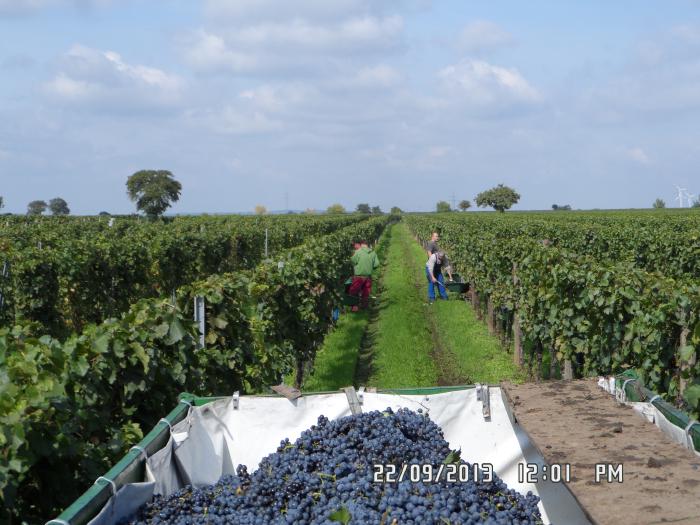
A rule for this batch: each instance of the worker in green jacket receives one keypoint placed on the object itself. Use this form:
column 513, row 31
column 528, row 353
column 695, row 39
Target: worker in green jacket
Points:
column 364, row 262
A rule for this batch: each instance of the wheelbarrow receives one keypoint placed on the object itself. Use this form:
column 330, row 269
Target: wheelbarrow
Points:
column 457, row 285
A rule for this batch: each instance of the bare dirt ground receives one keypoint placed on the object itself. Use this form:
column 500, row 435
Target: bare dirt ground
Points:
column 577, row 422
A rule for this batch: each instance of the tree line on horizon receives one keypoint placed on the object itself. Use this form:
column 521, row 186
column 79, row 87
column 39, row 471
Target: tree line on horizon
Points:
column 154, row 191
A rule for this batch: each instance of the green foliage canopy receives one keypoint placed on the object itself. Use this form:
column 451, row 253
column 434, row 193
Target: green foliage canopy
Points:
column 58, row 206
column 154, row 191
column 443, row 206
column 36, row 208
column 335, row 209
column 500, row 198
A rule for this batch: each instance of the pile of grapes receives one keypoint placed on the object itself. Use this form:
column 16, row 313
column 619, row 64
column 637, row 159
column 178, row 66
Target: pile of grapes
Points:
column 327, row 477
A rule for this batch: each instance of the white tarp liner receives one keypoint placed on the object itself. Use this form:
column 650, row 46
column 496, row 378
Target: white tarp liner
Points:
column 649, row 412
column 215, row 438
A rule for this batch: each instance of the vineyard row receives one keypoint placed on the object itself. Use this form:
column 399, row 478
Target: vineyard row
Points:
column 587, row 310
column 67, row 272
column 69, row 408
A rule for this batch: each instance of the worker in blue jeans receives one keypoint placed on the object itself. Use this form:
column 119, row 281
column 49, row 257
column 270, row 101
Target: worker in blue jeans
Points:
column 433, row 272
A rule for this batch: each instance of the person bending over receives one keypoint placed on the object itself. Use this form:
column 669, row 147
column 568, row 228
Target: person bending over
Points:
column 433, row 271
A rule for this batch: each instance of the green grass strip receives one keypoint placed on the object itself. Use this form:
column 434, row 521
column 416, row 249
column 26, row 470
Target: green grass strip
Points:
column 336, row 360
column 478, row 355
column 401, row 337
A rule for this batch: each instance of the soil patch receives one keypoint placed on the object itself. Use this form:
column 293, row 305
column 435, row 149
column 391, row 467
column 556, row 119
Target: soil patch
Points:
column 584, row 426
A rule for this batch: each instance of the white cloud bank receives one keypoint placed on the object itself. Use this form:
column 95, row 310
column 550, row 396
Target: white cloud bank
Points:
column 91, row 76
column 478, row 83
column 285, row 46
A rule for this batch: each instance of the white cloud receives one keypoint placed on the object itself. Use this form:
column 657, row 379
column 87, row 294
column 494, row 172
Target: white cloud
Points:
column 143, row 74
column 256, row 10
column 276, row 46
column 210, row 52
column 381, row 76
column 258, row 110
column 351, row 33
column 481, row 35
column 235, row 120
column 638, row 155
column 65, row 87
column 278, row 98
column 92, row 77
column 478, row 83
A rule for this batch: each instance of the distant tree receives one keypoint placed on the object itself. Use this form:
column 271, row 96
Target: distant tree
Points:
column 36, row 207
column 154, row 191
column 696, row 204
column 364, row 208
column 58, row 206
column 2, row 202
column 376, row 210
column 499, row 198
column 335, row 208
column 465, row 205
column 395, row 210
column 105, row 214
column 557, row 207
column 659, row 203
column 260, row 209
column 443, row 206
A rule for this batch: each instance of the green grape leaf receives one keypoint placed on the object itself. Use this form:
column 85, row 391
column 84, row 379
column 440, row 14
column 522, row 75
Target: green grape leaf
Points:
column 342, row 515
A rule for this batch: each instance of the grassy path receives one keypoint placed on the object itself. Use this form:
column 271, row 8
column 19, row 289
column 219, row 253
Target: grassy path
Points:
column 419, row 344
column 337, row 360
column 401, row 338
column 403, row 341
column 477, row 356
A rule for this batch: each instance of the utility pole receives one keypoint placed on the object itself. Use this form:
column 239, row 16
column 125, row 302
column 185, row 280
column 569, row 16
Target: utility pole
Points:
column 454, row 201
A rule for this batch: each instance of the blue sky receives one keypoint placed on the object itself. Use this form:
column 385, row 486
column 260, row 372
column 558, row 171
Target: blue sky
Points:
column 396, row 102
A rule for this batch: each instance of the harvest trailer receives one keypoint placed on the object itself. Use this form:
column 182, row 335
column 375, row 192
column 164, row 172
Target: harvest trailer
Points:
column 203, row 439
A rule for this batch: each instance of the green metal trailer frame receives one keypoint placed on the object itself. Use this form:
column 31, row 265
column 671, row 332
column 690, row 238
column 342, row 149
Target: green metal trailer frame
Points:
column 677, row 417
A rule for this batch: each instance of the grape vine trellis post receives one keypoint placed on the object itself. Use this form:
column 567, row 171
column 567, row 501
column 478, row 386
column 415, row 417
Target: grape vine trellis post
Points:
column 517, row 335
column 3, row 278
column 685, row 364
column 200, row 319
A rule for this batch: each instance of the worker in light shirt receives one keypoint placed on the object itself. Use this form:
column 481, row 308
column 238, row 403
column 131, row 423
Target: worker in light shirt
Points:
column 433, row 271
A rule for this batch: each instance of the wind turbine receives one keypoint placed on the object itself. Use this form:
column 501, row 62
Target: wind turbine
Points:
column 691, row 198
column 681, row 194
